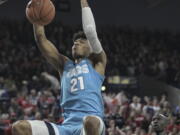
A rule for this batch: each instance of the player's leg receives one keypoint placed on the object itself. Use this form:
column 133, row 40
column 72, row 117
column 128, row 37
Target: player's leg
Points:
column 34, row 127
column 93, row 125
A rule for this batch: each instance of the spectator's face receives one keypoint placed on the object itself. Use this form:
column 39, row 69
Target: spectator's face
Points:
column 155, row 101
column 13, row 101
column 135, row 99
column 129, row 132
column 38, row 116
column 138, row 99
column 81, row 48
column 137, row 131
column 163, row 97
column 159, row 122
column 166, row 104
column 112, row 123
column 33, row 92
column 146, row 99
column 175, row 130
column 142, row 132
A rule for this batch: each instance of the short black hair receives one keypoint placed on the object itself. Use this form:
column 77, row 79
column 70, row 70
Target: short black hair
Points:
column 79, row 35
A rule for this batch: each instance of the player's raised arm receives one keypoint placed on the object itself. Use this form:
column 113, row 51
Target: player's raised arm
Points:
column 98, row 56
column 48, row 50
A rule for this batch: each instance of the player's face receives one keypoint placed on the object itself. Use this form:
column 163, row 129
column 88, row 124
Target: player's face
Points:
column 159, row 122
column 80, row 48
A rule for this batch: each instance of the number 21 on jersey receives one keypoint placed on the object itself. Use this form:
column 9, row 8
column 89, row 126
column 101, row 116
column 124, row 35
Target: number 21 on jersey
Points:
column 75, row 82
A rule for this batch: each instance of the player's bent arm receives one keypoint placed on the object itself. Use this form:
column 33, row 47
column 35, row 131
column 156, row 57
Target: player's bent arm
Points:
column 48, row 50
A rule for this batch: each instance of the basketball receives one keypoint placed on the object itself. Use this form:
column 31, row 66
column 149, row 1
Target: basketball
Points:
column 40, row 12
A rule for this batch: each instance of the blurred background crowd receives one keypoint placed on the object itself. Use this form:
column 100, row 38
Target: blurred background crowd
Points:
column 130, row 52
column 29, row 87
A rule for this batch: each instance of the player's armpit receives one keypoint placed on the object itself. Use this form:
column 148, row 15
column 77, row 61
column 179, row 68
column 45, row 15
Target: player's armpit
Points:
column 99, row 61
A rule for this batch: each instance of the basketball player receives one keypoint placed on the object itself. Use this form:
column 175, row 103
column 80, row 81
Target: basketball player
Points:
column 81, row 81
column 159, row 124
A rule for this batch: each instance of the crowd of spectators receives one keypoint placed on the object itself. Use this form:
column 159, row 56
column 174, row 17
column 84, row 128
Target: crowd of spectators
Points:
column 25, row 93
column 142, row 52
column 125, row 114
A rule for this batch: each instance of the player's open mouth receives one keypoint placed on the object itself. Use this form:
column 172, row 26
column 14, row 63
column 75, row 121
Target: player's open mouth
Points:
column 155, row 126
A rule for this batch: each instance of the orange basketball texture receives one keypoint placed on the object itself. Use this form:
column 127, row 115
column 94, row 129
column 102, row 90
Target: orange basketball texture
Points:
column 40, row 12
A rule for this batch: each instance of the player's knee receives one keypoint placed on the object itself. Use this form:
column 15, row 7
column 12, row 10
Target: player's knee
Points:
column 20, row 128
column 91, row 121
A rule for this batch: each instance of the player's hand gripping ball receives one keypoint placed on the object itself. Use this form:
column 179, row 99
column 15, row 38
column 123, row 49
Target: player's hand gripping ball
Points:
column 40, row 12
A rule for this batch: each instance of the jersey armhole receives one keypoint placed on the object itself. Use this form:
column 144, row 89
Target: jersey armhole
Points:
column 102, row 77
column 65, row 66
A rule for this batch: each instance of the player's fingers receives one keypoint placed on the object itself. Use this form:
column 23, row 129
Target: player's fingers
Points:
column 2, row 1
